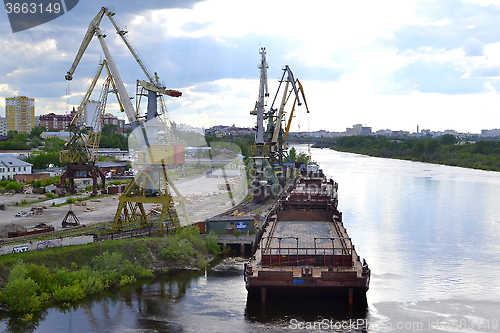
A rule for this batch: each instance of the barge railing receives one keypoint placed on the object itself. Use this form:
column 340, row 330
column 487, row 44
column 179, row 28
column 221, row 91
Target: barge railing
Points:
column 298, row 256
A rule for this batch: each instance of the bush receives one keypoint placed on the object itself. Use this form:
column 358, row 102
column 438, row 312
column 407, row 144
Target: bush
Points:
column 127, row 268
column 107, row 263
column 179, row 250
column 21, row 295
column 92, row 284
column 69, row 293
column 212, row 246
column 126, row 279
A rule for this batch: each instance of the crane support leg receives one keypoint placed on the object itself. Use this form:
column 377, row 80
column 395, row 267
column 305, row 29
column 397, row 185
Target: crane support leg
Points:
column 147, row 187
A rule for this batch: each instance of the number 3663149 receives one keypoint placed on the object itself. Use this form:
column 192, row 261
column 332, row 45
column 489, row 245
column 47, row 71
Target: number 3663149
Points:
column 32, row 8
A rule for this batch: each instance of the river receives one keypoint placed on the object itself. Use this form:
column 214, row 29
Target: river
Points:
column 428, row 232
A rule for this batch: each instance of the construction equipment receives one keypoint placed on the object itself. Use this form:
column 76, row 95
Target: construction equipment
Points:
column 70, row 220
column 270, row 161
column 81, row 153
column 301, row 90
column 275, row 133
column 151, row 184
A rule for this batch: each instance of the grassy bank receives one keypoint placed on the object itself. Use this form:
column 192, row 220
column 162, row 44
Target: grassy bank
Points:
column 35, row 279
column 484, row 155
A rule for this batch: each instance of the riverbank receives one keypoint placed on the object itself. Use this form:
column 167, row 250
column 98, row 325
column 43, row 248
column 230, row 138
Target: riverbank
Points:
column 32, row 280
column 482, row 155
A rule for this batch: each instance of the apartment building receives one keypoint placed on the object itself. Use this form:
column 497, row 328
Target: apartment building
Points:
column 20, row 113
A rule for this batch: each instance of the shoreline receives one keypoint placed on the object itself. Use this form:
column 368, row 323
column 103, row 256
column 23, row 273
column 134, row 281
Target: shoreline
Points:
column 407, row 158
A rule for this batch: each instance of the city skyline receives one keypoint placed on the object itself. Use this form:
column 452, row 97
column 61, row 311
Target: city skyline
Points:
column 433, row 63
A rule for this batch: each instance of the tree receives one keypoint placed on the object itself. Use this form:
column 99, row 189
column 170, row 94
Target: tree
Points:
column 431, row 145
column 35, row 142
column 109, row 129
column 448, row 139
column 42, row 160
column 54, row 144
column 293, row 154
column 36, row 131
column 417, row 149
column 303, row 158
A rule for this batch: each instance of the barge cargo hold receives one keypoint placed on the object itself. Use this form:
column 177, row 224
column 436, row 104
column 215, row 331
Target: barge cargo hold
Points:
column 305, row 247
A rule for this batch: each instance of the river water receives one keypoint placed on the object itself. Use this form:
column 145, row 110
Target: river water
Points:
column 428, row 232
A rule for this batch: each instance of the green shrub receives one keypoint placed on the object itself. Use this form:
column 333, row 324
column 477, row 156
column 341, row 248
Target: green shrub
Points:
column 39, row 274
column 126, row 279
column 92, row 284
column 107, row 263
column 21, row 295
column 211, row 245
column 179, row 250
column 69, row 293
column 127, row 268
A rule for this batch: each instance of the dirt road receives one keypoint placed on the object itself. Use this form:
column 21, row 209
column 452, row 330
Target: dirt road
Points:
column 105, row 209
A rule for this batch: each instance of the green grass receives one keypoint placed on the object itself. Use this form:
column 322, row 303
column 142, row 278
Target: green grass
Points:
column 30, row 280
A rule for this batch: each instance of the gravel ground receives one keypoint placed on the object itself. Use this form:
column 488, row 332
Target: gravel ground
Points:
column 202, row 188
column 105, row 211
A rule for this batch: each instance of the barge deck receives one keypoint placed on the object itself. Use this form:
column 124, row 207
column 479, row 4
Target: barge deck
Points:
column 305, row 247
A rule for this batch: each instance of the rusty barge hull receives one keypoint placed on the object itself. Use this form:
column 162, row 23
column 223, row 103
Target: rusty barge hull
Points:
column 305, row 247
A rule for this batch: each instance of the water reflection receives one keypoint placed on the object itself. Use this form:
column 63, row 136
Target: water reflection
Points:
column 429, row 233
column 282, row 307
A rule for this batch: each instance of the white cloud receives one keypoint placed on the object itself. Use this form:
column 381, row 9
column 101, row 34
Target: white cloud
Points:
column 352, row 58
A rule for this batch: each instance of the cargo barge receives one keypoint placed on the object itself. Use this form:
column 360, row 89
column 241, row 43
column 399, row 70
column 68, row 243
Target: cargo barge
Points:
column 305, row 247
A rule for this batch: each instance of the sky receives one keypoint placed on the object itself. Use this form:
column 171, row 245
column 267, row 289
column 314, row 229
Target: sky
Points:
column 387, row 64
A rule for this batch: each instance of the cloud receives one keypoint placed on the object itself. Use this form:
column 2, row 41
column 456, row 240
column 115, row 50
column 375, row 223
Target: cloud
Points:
column 473, row 47
column 195, row 26
column 485, row 72
column 428, row 76
column 209, row 50
column 447, row 24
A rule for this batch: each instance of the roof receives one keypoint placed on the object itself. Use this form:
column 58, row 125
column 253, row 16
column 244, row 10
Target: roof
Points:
column 12, row 162
column 109, row 164
column 232, row 218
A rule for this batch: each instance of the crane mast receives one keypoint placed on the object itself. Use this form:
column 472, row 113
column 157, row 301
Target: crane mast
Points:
column 259, row 105
column 127, row 104
column 151, row 178
column 290, row 79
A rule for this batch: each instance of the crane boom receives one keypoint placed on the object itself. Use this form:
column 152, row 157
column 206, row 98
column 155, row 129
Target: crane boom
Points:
column 290, row 79
column 127, row 104
column 259, row 105
column 86, row 41
column 81, row 108
column 122, row 32
column 301, row 90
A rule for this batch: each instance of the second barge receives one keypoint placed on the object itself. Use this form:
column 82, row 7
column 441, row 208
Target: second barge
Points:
column 305, row 247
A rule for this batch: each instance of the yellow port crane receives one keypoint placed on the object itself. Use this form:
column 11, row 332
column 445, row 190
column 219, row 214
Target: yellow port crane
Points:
column 151, row 184
column 275, row 135
column 81, row 153
column 301, row 90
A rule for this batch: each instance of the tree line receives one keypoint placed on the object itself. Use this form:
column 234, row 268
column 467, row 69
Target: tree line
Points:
column 483, row 154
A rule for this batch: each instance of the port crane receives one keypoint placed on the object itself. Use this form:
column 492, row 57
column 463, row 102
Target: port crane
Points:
column 81, row 153
column 150, row 185
column 269, row 153
column 275, row 132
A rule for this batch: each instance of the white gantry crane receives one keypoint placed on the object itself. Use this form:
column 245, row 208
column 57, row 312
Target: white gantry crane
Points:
column 150, row 185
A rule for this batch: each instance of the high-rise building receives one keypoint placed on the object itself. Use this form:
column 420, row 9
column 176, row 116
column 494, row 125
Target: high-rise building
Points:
column 3, row 126
column 20, row 113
